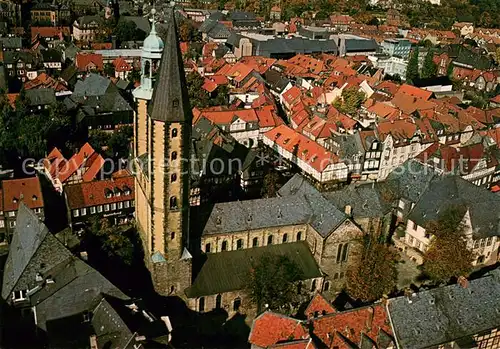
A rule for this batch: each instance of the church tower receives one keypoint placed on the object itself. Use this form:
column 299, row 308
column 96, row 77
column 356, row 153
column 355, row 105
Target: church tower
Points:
column 162, row 130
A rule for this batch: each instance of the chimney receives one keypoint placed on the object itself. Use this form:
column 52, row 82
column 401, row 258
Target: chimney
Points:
column 369, row 320
column 348, row 210
column 462, row 281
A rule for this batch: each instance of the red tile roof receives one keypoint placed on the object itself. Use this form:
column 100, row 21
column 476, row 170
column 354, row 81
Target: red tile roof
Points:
column 209, row 86
column 338, row 330
column 267, row 117
column 121, row 65
column 87, row 61
column 93, row 193
column 101, row 45
column 226, row 117
column 307, row 150
column 414, row 92
column 383, row 110
column 45, row 81
column 398, row 129
column 300, row 344
column 270, row 328
column 320, row 306
column 49, row 32
column 292, row 95
column 495, row 99
column 27, row 190
column 86, row 159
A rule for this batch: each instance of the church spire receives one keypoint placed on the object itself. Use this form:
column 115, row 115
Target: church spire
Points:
column 170, row 101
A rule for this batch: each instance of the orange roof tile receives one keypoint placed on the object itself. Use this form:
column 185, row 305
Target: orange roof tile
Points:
column 121, row 65
column 319, row 306
column 27, row 190
column 270, row 328
column 226, row 117
column 93, row 193
column 83, row 61
column 307, row 150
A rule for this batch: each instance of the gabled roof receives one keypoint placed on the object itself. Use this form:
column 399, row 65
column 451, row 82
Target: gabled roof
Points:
column 29, row 236
column 26, row 190
column 346, row 329
column 93, row 193
column 446, row 314
column 170, row 102
column 227, row 271
column 270, row 328
column 319, row 305
column 84, row 60
column 450, row 191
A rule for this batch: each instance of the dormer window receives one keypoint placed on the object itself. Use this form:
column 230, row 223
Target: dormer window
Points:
column 126, row 190
column 15, row 200
column 34, row 198
column 249, row 218
column 175, row 103
column 117, row 192
column 108, row 193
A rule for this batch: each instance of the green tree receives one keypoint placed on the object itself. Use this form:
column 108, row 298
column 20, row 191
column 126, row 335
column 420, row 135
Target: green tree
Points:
column 374, row 273
column 109, row 69
column 429, row 68
column 273, row 281
column 351, row 100
column 412, row 68
column 271, row 185
column 448, row 255
column 134, row 76
column 127, row 31
column 113, row 240
column 197, row 95
column 497, row 55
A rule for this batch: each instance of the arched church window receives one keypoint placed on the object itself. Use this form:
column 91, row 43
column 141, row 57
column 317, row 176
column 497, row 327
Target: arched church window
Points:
column 147, row 68
column 173, row 156
column 237, row 304
column 172, row 235
column 201, row 304
column 174, row 132
column 173, row 177
column 218, row 302
column 224, row 246
column 175, row 103
column 173, row 202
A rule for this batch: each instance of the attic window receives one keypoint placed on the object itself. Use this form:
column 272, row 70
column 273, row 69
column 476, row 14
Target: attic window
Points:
column 108, row 193
column 175, row 103
column 314, row 158
column 286, row 141
column 34, row 198
column 15, row 200
column 126, row 190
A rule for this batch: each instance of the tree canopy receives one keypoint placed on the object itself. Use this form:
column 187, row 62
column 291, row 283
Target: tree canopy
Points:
column 127, row 31
column 273, row 281
column 351, row 100
column 429, row 69
column 199, row 97
column 374, row 271
column 448, row 255
column 412, row 68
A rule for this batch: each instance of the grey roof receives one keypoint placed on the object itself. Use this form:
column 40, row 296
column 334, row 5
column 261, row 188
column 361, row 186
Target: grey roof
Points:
column 41, row 96
column 207, row 25
column 227, row 271
column 170, row 100
column 25, row 248
column 77, row 288
column 142, row 23
column 12, row 43
column 356, row 45
column 86, row 20
column 219, row 31
column 447, row 313
column 364, row 200
column 276, row 80
column 256, row 214
column 455, row 191
column 51, row 55
column 15, row 56
column 299, row 203
column 93, row 85
column 349, row 145
column 293, row 46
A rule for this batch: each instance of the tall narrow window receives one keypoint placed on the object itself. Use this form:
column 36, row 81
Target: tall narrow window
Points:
column 208, row 248
column 237, row 304
column 285, row 237
column 345, row 252
column 270, row 239
column 174, row 132
column 173, row 177
column 255, row 242
column 201, row 304
column 299, row 236
column 172, row 235
column 173, row 156
column 173, row 202
column 224, row 246
column 313, row 286
column 339, row 253
column 239, row 244
column 326, row 286
column 218, row 301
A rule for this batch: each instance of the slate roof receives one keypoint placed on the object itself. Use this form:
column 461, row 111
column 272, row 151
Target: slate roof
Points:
column 454, row 191
column 170, row 100
column 41, row 96
column 15, row 56
column 142, row 23
column 92, row 85
column 10, row 43
column 363, row 199
column 236, row 265
column 446, row 314
column 356, row 45
column 294, row 45
column 30, row 234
